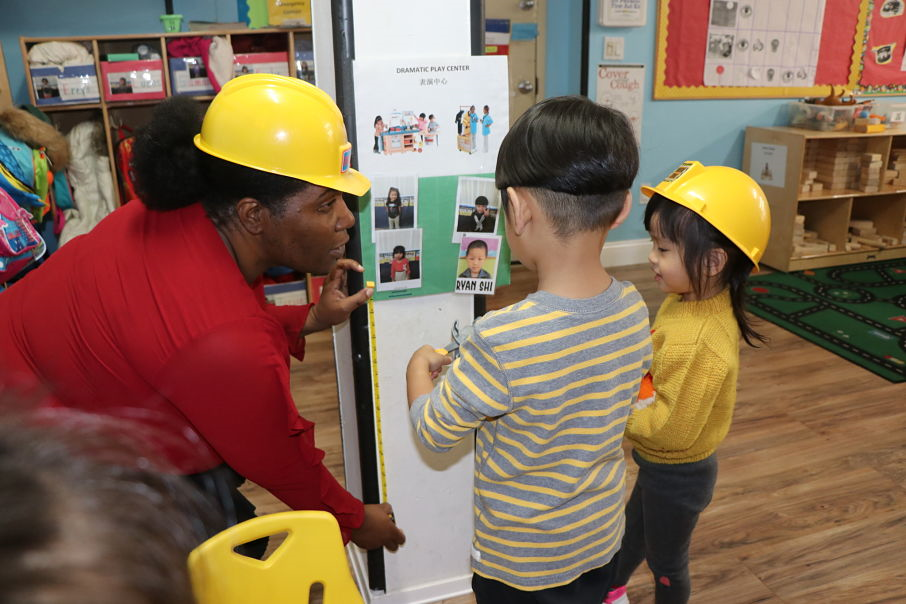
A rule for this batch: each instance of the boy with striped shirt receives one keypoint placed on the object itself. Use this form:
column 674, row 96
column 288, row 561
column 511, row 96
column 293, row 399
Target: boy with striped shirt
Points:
column 547, row 383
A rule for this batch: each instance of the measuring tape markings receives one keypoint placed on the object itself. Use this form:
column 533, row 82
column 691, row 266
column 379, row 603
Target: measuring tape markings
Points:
column 376, row 392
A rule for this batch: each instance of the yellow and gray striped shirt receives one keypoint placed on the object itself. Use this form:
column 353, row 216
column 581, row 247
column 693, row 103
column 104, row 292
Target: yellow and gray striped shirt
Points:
column 547, row 383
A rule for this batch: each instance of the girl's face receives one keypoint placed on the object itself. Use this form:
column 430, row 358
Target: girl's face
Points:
column 393, row 195
column 666, row 261
column 398, row 255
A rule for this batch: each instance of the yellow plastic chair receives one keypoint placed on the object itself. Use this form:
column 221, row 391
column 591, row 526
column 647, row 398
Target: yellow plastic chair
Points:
column 312, row 553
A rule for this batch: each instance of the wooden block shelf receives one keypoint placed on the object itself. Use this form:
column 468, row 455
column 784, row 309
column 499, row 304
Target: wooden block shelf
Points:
column 844, row 166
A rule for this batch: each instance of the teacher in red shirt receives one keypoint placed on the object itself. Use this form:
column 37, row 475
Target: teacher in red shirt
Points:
column 159, row 314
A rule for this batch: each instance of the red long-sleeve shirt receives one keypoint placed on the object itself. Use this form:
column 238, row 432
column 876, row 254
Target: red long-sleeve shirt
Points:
column 148, row 316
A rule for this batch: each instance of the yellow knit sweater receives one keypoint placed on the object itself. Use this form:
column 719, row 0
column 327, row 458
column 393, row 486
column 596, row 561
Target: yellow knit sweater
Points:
column 694, row 370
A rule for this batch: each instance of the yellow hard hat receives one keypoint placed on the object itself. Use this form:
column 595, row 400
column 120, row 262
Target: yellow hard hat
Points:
column 284, row 126
column 730, row 200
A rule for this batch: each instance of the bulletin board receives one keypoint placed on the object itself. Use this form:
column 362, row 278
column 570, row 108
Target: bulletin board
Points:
column 680, row 60
column 438, row 267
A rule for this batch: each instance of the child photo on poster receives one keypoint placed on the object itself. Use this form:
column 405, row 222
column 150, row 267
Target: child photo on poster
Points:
column 398, row 259
column 477, row 207
column 394, row 202
column 477, row 266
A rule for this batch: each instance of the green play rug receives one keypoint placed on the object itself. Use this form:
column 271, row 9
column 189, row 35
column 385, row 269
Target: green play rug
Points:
column 856, row 311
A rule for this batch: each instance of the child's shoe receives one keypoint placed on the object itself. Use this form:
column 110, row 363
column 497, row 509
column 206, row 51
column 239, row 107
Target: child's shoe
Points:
column 617, row 596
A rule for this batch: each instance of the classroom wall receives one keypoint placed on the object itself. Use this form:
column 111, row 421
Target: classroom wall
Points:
column 710, row 131
column 563, row 53
column 97, row 17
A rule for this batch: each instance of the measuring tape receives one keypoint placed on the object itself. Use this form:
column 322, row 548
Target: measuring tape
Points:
column 376, row 393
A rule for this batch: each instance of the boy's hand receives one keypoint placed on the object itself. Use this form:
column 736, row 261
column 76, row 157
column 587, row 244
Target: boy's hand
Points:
column 335, row 304
column 424, row 366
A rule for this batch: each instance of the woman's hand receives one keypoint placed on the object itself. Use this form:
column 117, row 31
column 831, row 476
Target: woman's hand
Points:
column 378, row 529
column 335, row 304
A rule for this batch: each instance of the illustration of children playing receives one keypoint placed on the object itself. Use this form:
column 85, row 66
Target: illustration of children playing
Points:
column 379, row 134
column 476, row 254
column 464, row 140
column 486, row 121
column 473, row 128
column 422, row 129
column 433, row 127
column 399, row 266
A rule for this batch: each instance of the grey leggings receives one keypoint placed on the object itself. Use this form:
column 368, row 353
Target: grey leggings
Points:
column 661, row 514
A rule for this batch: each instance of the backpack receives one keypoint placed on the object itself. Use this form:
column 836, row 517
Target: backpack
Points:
column 20, row 243
column 124, row 153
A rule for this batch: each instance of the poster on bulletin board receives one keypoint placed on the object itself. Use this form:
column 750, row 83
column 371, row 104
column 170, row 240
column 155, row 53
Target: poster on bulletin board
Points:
column 621, row 87
column 430, row 116
column 758, row 48
column 428, row 131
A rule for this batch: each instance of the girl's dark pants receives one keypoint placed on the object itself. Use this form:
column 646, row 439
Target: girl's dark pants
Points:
column 660, row 516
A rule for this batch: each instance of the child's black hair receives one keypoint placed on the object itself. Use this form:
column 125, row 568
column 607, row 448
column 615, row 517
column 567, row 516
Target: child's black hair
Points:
column 171, row 172
column 399, row 196
column 578, row 158
column 481, row 200
column 475, row 244
column 695, row 237
column 399, row 250
column 377, row 119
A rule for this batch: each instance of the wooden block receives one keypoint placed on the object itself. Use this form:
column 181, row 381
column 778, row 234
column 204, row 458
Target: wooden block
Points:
column 870, row 189
column 891, row 173
column 871, row 157
column 862, row 224
column 863, row 232
column 805, row 188
column 809, row 235
column 811, row 174
column 817, row 187
column 869, row 128
column 800, row 219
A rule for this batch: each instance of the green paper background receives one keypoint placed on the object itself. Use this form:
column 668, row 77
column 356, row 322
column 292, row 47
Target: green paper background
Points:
column 440, row 257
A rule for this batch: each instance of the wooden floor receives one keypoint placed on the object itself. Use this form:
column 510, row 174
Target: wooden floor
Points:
column 810, row 505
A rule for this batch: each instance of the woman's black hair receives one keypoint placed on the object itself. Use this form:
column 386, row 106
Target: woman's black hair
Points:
column 399, row 250
column 695, row 237
column 171, row 172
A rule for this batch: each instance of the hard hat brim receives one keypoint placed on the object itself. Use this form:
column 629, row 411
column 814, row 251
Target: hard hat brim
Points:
column 351, row 181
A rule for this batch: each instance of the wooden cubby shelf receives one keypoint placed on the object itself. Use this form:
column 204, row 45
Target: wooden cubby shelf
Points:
column 133, row 113
column 844, row 167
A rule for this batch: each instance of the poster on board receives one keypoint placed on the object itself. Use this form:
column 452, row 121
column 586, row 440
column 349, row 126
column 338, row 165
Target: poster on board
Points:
column 430, row 116
column 621, row 87
column 476, row 271
column 763, row 43
column 398, row 259
column 394, row 202
column 477, row 207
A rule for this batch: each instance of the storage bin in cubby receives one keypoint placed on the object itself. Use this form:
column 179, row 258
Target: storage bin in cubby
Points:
column 133, row 80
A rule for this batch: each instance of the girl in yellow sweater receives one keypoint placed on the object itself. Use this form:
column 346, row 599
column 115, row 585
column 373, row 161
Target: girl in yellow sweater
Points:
column 709, row 226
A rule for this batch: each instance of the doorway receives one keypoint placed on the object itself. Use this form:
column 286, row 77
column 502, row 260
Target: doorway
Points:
column 522, row 24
